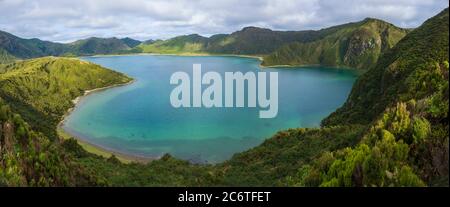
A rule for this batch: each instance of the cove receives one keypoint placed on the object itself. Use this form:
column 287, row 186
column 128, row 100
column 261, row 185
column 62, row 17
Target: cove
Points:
column 138, row 119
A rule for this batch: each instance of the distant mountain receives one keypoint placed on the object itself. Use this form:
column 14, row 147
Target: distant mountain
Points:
column 29, row 48
column 130, row 42
column 356, row 45
column 248, row 41
column 13, row 47
column 95, row 45
column 150, row 41
column 259, row 41
column 182, row 44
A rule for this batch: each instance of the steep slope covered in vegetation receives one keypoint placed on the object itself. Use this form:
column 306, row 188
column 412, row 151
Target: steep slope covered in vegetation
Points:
column 413, row 69
column 29, row 158
column 42, row 89
column 355, row 45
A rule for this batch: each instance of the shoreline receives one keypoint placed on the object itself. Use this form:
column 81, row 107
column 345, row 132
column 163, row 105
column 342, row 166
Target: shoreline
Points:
column 91, row 147
column 127, row 157
column 104, row 151
column 260, row 58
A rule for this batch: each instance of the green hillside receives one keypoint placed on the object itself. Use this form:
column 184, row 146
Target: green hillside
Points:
column 355, row 45
column 411, row 70
column 42, row 89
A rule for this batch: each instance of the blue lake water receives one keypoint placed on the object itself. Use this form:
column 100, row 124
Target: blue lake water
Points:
column 138, row 119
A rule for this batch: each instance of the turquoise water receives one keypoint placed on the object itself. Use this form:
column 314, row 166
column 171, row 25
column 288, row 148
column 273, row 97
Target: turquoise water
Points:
column 138, row 119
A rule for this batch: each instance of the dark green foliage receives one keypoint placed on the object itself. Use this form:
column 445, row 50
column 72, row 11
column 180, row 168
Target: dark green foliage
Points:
column 278, row 158
column 166, row 171
column 71, row 146
column 28, row 158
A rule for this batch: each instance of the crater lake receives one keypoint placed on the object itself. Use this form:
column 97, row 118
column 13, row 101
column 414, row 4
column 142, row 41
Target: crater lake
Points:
column 138, row 119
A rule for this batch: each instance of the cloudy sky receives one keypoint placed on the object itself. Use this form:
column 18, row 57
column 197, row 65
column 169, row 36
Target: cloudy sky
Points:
column 68, row 20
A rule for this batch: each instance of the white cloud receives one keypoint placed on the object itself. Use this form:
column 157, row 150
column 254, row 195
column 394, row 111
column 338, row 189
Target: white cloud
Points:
column 67, row 20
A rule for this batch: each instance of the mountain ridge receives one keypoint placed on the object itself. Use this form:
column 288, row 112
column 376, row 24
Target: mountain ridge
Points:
column 247, row 41
column 356, row 45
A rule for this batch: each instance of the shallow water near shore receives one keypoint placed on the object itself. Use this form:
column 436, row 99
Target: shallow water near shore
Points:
column 138, row 119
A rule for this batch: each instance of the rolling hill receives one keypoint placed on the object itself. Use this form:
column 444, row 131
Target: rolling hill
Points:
column 13, row 47
column 29, row 48
column 95, row 45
